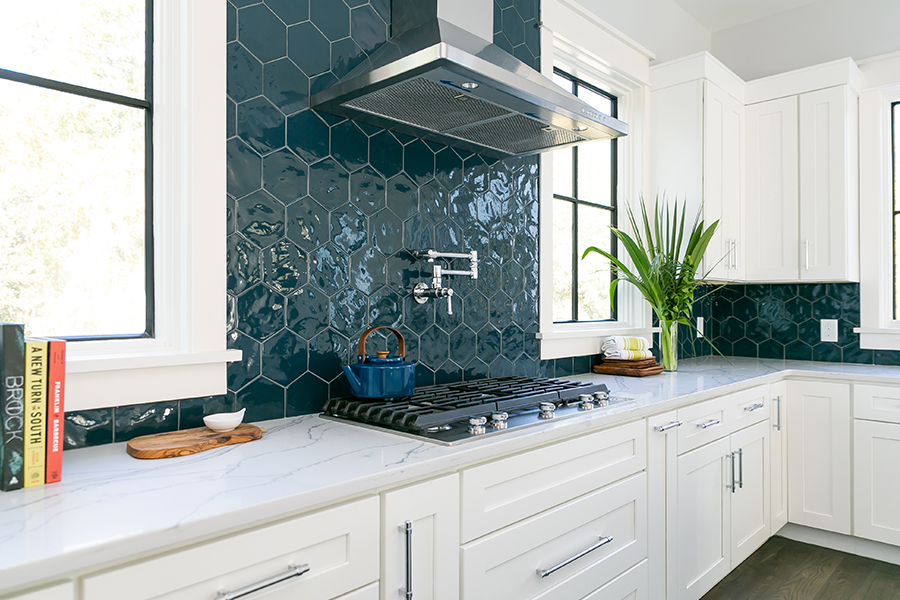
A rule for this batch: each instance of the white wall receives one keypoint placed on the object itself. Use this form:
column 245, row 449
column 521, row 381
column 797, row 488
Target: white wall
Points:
column 809, row 35
column 662, row 26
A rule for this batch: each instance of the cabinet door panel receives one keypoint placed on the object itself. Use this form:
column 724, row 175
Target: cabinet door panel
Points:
column 876, row 402
column 662, row 503
column 750, row 501
column 630, row 585
column 876, row 482
column 433, row 509
column 704, row 533
column 771, row 199
column 65, row 591
column 778, row 456
column 819, row 455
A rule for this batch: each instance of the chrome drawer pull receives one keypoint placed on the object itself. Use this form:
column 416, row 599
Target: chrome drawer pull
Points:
column 733, row 485
column 408, row 590
column 668, row 426
column 603, row 541
column 753, row 407
column 293, row 571
column 740, row 481
column 709, row 423
column 778, row 422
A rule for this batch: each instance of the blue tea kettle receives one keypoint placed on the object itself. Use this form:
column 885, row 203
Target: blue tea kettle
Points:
column 381, row 376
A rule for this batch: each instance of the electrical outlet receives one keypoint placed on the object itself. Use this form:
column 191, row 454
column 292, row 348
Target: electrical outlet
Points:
column 699, row 327
column 829, row 330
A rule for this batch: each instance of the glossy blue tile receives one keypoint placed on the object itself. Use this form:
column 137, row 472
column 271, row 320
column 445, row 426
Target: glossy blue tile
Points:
column 263, row 400
column 349, row 145
column 477, row 310
column 242, row 372
column 523, row 53
column 243, row 168
column 348, row 312
column 385, row 308
column 418, row 233
column 192, row 410
column 449, row 372
column 306, row 396
column 262, row 33
column 230, row 312
column 367, row 28
column 383, row 8
column 327, row 352
column 513, row 277
column 449, row 238
column 329, row 268
column 348, row 229
column 503, row 42
column 434, row 346
column 346, row 55
column 828, row 352
column 489, row 277
column 308, row 136
column 284, row 267
column 501, row 315
column 332, row 17
column 261, row 125
column 286, row 86
column 488, row 344
column 284, row 357
column 290, row 11
column 329, row 184
column 231, row 23
column 402, row 272
column 261, row 218
column 307, row 224
column 418, row 162
column 418, row 317
column 443, row 319
column 285, row 176
column 320, row 83
column 448, row 168
column 367, row 191
column 260, row 312
column 386, row 154
column 855, row 354
column 424, row 376
column 524, row 249
column 412, row 343
column 309, row 49
column 244, row 80
column 533, row 41
column 477, row 369
column 230, row 118
column 402, row 196
column 784, row 331
column 463, row 345
column 463, row 207
column 386, row 231
column 502, row 367
column 307, row 312
column 368, row 270
column 501, row 181
column 532, row 346
column 798, row 351
column 87, row 428
column 243, row 265
column 582, row 364
column 145, row 419
column 826, row 308
column 513, row 342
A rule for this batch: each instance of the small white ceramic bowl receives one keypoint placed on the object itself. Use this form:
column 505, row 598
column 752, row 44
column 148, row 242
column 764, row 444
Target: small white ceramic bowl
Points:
column 222, row 422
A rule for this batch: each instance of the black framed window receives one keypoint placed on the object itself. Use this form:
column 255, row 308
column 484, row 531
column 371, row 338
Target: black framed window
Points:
column 76, row 220
column 584, row 208
column 895, row 151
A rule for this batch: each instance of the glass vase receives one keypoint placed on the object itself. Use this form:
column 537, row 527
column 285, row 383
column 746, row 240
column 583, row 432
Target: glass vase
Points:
column 668, row 341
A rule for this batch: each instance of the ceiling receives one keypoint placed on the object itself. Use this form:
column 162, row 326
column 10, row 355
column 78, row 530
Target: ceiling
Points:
column 721, row 14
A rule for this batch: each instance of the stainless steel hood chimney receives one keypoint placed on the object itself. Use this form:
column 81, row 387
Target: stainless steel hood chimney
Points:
column 439, row 78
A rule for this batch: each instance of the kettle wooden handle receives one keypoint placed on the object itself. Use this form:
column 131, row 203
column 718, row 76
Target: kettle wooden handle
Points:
column 400, row 340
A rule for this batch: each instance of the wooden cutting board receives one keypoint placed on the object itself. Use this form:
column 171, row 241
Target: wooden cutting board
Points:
column 630, row 368
column 190, row 441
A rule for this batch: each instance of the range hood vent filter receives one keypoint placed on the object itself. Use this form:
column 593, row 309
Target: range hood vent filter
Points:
column 427, row 104
column 517, row 135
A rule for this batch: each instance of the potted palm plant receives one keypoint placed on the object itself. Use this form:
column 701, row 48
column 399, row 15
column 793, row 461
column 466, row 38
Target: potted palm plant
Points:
column 665, row 263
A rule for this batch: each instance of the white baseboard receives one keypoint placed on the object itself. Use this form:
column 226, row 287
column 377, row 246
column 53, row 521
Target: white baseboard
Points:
column 843, row 543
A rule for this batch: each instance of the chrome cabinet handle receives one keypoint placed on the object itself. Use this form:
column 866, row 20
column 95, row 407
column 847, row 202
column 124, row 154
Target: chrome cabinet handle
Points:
column 733, row 485
column 753, row 407
column 408, row 591
column 545, row 572
column 293, row 571
column 806, row 242
column 740, row 482
column 709, row 423
column 734, row 254
column 778, row 414
column 668, row 426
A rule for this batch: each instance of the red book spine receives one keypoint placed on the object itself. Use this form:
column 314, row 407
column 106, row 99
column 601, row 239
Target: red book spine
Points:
column 56, row 393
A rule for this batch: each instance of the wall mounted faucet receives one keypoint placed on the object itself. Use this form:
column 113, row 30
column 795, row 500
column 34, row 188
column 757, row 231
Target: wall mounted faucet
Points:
column 422, row 292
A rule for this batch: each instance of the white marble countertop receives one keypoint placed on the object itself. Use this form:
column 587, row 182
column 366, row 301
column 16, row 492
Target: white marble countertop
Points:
column 110, row 507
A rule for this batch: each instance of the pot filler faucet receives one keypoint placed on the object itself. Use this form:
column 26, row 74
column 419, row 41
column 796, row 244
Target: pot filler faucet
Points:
column 422, row 292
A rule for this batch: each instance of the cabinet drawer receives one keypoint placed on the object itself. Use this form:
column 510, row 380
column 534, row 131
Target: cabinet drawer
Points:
column 704, row 422
column 630, row 585
column 340, row 545
column 750, row 407
column 65, row 591
column 497, row 494
column 876, row 402
column 502, row 566
column 370, row 592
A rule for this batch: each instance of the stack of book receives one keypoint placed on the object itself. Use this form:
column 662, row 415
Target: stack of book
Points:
column 32, row 394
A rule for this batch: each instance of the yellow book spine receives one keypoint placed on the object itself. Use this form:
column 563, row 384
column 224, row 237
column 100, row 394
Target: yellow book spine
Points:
column 36, row 411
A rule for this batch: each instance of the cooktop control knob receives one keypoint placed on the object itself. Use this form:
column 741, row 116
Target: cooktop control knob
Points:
column 547, row 409
column 601, row 398
column 587, row 402
column 499, row 420
column 476, row 425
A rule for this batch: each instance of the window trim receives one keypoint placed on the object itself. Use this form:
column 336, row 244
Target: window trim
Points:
column 188, row 356
column 586, row 47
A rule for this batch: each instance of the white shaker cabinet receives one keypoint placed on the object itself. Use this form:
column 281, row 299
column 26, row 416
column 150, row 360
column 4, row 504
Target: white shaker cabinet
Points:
column 420, row 540
column 778, row 457
column 819, row 488
column 65, row 591
column 749, row 497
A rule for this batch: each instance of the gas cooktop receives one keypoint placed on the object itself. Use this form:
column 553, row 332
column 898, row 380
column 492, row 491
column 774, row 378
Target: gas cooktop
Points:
column 468, row 410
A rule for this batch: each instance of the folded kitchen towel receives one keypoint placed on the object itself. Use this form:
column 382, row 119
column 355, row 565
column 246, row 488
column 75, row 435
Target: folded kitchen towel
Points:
column 628, row 354
column 615, row 343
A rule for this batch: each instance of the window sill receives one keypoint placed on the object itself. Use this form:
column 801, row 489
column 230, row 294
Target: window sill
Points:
column 137, row 360
column 575, row 339
column 878, row 339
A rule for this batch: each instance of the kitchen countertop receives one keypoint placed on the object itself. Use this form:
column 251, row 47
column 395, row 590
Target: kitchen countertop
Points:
column 111, row 507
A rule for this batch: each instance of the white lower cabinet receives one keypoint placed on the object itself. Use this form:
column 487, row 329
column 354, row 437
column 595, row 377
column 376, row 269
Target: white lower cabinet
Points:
column 630, row 585
column 876, row 481
column 64, row 591
column 319, row 556
column 370, row 592
column 819, row 486
column 420, row 541
column 778, row 457
column 750, row 508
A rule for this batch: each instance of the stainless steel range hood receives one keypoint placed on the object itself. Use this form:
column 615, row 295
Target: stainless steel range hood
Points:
column 438, row 81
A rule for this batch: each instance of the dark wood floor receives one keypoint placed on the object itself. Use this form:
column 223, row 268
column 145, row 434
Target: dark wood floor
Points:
column 783, row 569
